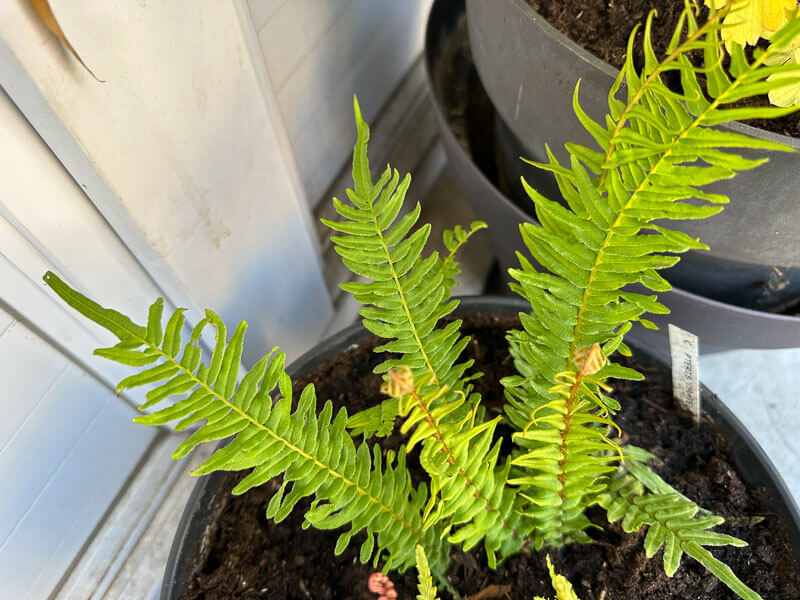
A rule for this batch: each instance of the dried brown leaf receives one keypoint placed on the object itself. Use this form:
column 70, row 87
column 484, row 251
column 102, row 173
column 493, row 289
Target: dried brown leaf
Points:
column 46, row 16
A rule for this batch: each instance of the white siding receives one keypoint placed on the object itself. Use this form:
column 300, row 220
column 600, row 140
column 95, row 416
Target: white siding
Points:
column 62, row 465
column 320, row 53
column 170, row 178
column 67, row 443
column 192, row 175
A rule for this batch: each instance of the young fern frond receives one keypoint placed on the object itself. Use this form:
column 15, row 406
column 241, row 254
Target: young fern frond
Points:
column 405, row 295
column 566, row 453
column 404, row 298
column 427, row 591
column 673, row 523
column 454, row 239
column 314, row 453
column 655, row 150
column 379, row 420
column 468, row 490
column 561, row 585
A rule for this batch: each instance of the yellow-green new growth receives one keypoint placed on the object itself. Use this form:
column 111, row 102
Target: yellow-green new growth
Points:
column 561, row 586
column 750, row 20
column 425, row 586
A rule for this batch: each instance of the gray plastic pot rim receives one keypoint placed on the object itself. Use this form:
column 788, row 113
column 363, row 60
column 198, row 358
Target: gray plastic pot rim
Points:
column 606, row 68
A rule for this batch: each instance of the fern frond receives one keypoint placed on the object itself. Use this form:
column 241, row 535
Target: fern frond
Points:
column 375, row 421
column 427, row 591
column 468, row 490
column 566, row 456
column 454, row 239
column 655, row 152
column 561, row 586
column 405, row 295
column 674, row 524
column 314, row 453
column 404, row 298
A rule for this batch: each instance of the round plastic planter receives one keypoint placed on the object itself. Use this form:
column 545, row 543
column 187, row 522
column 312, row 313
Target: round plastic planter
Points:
column 453, row 78
column 530, row 69
column 209, row 496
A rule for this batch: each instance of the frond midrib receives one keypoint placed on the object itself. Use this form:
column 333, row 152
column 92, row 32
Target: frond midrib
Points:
column 651, row 78
column 402, row 297
column 684, row 131
column 438, row 434
column 451, row 458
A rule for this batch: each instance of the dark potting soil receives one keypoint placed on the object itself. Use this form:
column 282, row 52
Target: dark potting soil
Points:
column 249, row 557
column 602, row 27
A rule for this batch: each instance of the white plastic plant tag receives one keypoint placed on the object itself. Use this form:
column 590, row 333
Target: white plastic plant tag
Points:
column 685, row 369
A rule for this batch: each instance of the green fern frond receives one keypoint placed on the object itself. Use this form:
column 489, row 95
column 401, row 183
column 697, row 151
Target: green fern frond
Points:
column 314, row 453
column 404, row 298
column 674, row 524
column 375, row 421
column 636, row 463
column 405, row 295
column 565, row 458
column 561, row 586
column 468, row 490
column 454, row 239
column 427, row 591
column 655, row 152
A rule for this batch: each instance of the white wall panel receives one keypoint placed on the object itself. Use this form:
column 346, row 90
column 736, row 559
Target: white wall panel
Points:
column 59, row 223
column 29, row 370
column 296, row 29
column 263, row 10
column 319, row 53
column 62, row 469
column 182, row 139
column 67, row 442
column 46, row 222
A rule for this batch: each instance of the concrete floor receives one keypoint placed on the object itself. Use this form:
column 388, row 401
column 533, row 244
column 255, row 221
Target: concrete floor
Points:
column 762, row 388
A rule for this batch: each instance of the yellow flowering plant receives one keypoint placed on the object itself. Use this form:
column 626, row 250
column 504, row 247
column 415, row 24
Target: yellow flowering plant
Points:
column 748, row 21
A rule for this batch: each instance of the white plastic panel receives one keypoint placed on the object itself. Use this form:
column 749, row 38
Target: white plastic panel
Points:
column 67, row 443
column 180, row 153
column 263, row 10
column 319, row 53
column 62, row 465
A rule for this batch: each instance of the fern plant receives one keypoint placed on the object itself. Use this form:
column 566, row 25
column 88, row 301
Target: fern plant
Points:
column 561, row 586
column 655, row 150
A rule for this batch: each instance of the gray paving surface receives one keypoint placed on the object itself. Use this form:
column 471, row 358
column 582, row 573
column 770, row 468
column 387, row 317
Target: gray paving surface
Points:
column 762, row 387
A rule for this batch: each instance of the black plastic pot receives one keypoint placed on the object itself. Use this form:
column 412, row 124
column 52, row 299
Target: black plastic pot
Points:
column 209, row 496
column 465, row 117
column 529, row 70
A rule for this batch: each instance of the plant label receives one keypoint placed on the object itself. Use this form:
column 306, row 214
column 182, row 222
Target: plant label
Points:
column 685, row 369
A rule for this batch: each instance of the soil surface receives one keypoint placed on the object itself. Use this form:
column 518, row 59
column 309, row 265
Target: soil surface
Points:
column 252, row 558
column 602, row 27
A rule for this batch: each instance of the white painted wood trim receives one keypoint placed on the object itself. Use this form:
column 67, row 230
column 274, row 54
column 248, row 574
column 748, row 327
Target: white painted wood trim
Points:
column 273, row 110
column 15, row 80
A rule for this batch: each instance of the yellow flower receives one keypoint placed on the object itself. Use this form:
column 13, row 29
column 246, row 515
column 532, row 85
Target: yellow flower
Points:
column 750, row 20
column 788, row 95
